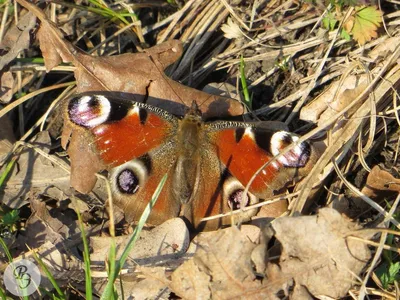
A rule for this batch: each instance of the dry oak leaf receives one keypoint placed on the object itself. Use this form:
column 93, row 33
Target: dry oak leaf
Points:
column 317, row 260
column 140, row 74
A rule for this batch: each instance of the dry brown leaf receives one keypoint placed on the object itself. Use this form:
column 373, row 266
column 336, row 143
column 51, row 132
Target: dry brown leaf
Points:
column 382, row 50
column 34, row 174
column 165, row 242
column 315, row 253
column 6, row 87
column 220, row 269
column 7, row 137
column 327, row 105
column 17, row 39
column 44, row 226
column 380, row 184
column 140, row 74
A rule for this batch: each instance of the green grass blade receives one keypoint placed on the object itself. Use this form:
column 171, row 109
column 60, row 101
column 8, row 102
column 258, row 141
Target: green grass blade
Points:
column 245, row 89
column 2, row 294
column 86, row 257
column 10, row 259
column 108, row 291
column 6, row 251
column 112, row 269
column 60, row 293
column 7, row 171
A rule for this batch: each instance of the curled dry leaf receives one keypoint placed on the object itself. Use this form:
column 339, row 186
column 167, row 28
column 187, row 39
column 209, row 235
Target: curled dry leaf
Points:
column 334, row 99
column 315, row 254
column 380, row 184
column 56, row 225
column 17, row 39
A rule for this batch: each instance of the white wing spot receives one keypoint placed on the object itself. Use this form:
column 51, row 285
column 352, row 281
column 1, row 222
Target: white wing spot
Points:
column 134, row 111
column 249, row 132
column 105, row 110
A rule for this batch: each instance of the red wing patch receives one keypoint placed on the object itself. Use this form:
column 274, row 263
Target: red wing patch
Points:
column 123, row 130
column 130, row 138
column 244, row 158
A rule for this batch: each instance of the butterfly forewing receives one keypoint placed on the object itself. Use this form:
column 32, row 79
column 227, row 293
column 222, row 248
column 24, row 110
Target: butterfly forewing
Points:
column 244, row 148
column 122, row 130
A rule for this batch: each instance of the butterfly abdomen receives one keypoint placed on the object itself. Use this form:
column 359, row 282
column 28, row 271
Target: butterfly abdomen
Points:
column 187, row 167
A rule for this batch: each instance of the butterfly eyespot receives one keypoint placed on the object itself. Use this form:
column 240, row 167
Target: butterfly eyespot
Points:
column 129, row 177
column 234, row 194
column 297, row 157
column 127, row 182
column 236, row 200
column 89, row 111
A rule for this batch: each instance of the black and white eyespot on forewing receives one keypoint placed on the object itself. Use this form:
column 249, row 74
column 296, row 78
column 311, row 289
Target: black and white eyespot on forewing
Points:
column 89, row 111
column 234, row 194
column 297, row 157
column 129, row 177
column 93, row 110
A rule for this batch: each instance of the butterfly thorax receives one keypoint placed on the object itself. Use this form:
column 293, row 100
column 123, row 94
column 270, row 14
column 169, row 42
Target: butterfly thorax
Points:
column 187, row 167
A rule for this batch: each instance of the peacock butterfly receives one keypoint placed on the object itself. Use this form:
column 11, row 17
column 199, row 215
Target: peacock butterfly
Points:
column 209, row 163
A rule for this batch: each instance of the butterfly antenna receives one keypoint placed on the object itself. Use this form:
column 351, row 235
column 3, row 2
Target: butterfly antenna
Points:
column 161, row 70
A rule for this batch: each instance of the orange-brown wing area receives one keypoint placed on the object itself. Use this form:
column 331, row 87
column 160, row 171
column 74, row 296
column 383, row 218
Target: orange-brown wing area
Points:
column 134, row 183
column 119, row 130
column 129, row 138
column 243, row 158
column 218, row 192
